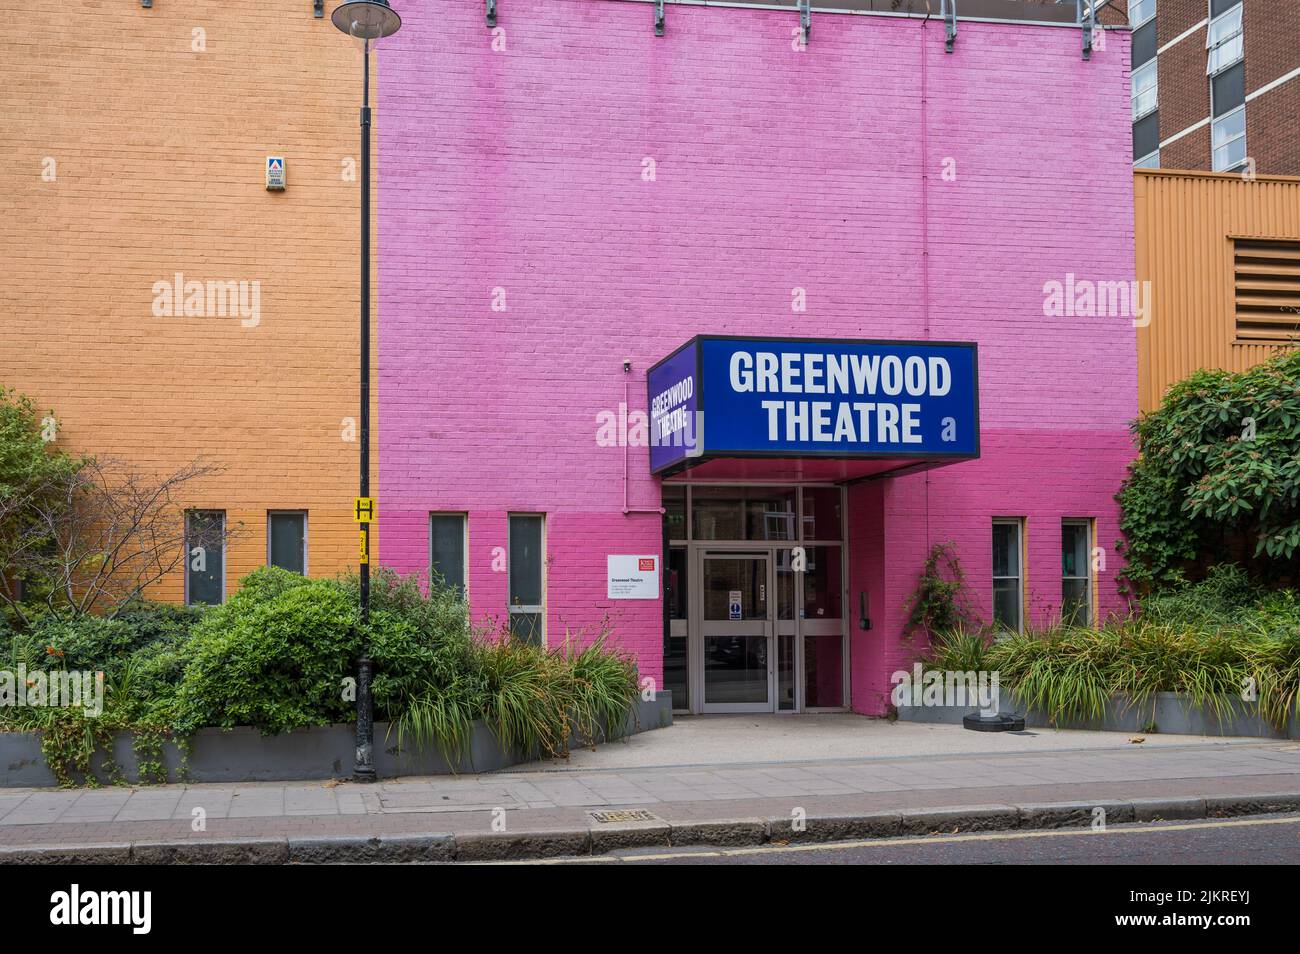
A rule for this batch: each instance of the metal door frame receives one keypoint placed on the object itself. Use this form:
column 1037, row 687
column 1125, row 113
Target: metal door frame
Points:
column 698, row 557
column 691, row 626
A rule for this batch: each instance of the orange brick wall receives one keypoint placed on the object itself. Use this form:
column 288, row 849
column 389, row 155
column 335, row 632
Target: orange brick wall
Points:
column 158, row 149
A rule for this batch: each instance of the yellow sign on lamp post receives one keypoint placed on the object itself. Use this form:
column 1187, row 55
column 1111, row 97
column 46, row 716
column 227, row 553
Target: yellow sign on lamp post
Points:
column 363, row 511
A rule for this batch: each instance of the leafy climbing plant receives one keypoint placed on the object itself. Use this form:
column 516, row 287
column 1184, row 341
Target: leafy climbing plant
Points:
column 940, row 602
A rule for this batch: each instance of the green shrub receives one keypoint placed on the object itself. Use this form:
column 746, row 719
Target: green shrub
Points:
column 524, row 702
column 434, row 675
column 154, row 621
column 87, row 642
column 1217, row 479
column 259, row 587
column 1218, row 600
column 536, row 701
column 33, row 472
column 420, row 644
column 274, row 656
column 537, row 698
column 152, row 677
column 441, row 612
column 427, row 685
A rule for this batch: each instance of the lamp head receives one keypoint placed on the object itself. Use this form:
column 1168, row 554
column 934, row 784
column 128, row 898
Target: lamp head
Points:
column 368, row 20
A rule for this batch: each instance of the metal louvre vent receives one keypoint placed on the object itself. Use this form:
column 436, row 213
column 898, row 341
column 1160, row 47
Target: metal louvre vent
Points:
column 1267, row 289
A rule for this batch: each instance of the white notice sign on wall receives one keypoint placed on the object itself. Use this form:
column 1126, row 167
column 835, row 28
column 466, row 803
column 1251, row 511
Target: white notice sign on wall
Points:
column 632, row 577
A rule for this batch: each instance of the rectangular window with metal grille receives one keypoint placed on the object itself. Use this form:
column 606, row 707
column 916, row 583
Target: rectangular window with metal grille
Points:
column 527, row 577
column 1267, row 289
column 1076, row 572
column 1008, row 575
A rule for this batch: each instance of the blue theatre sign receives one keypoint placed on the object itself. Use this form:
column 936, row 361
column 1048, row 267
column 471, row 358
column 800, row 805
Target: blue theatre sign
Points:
column 898, row 402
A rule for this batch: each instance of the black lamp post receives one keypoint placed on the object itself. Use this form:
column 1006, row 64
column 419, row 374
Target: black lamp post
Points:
column 367, row 21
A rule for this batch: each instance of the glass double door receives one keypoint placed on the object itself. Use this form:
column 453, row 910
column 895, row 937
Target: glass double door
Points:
column 746, row 645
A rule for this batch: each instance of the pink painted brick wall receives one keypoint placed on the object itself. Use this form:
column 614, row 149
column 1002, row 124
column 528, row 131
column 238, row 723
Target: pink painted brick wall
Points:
column 1039, row 476
column 522, row 170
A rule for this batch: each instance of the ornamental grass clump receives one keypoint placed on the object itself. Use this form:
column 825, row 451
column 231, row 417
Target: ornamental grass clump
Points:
column 1060, row 672
column 527, row 698
column 1217, row 642
column 602, row 688
column 540, row 701
column 959, row 650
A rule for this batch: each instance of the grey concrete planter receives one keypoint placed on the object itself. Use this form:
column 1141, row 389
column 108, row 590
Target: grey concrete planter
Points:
column 1167, row 712
column 245, row 755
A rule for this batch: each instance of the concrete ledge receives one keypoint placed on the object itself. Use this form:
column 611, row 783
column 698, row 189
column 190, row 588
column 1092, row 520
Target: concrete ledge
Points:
column 243, row 754
column 225, row 851
column 612, row 837
column 1171, row 713
column 505, row 846
column 1231, row 805
column 1074, row 814
column 387, row 849
column 67, row 855
column 835, row 827
column 728, row 833
column 960, row 820
column 1167, row 809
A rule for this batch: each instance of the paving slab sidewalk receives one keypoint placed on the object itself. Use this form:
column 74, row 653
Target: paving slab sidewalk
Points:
column 538, row 813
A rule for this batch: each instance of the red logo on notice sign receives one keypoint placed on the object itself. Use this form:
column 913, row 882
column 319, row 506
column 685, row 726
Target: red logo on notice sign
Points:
column 646, row 563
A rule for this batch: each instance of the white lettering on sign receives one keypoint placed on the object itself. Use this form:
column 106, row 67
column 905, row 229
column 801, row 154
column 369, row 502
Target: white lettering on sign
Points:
column 832, row 422
column 858, row 421
column 678, row 393
column 668, row 414
column 763, row 372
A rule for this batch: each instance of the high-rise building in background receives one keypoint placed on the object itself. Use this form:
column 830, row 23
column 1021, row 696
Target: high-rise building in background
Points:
column 1216, row 83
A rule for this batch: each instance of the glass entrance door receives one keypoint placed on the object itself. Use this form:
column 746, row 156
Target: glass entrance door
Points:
column 736, row 632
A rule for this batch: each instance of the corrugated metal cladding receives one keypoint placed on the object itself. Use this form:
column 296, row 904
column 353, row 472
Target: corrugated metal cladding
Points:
column 1201, row 240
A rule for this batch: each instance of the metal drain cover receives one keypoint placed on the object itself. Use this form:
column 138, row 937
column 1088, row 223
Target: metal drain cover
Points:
column 625, row 815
